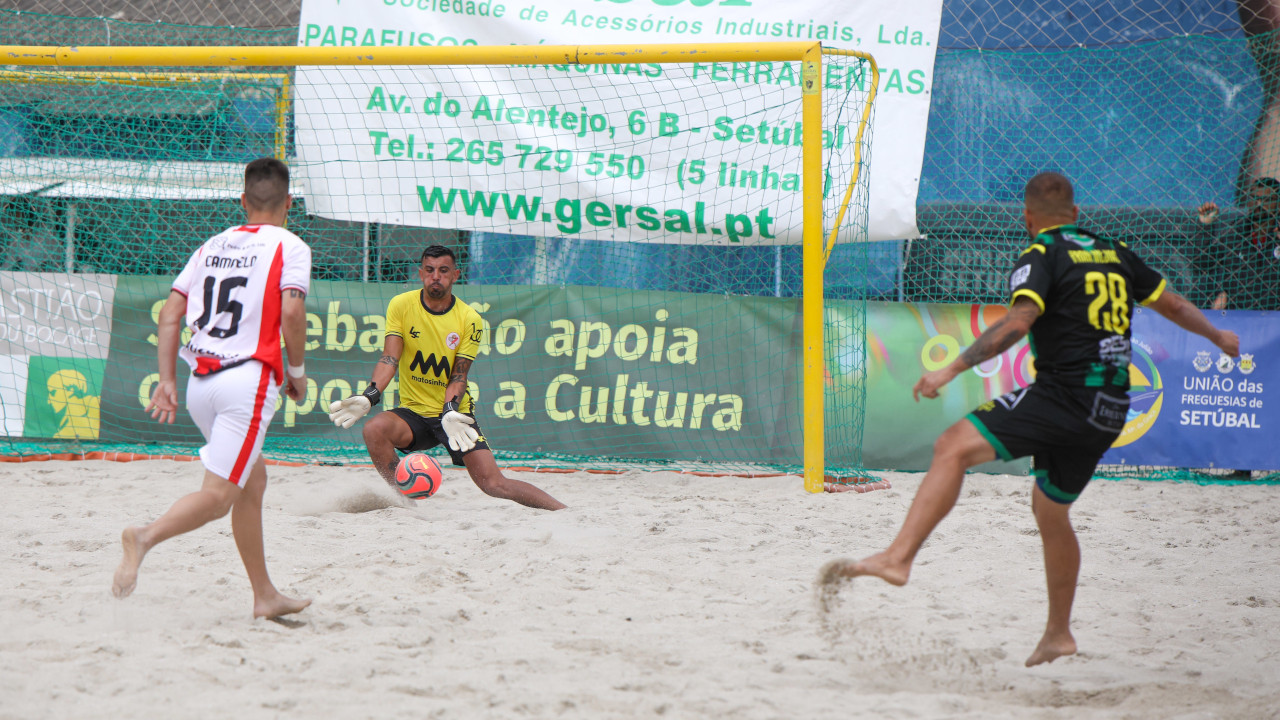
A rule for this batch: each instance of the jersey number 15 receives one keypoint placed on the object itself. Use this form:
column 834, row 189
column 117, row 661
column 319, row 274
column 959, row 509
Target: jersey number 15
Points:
column 225, row 305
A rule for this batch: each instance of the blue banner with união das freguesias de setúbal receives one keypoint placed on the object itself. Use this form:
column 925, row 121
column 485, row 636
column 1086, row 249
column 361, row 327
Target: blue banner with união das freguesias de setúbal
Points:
column 1193, row 406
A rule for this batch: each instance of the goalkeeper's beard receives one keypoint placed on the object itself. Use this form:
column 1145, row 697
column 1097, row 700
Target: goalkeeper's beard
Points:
column 437, row 292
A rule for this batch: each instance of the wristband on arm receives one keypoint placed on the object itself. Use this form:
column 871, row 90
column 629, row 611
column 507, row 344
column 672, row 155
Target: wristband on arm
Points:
column 372, row 393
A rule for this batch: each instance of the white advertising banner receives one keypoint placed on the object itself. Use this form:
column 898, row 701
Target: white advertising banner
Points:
column 705, row 153
column 56, row 314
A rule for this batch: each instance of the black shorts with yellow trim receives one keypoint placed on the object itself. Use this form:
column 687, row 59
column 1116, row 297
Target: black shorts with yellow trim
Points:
column 428, row 433
column 1065, row 430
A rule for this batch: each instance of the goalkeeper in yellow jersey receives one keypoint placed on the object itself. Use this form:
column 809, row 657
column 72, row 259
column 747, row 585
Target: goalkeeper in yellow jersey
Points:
column 432, row 338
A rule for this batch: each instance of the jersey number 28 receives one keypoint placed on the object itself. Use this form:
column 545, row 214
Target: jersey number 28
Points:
column 1109, row 309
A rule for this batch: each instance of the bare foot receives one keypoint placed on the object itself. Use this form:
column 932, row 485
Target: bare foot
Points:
column 878, row 565
column 278, row 605
column 1051, row 648
column 126, row 578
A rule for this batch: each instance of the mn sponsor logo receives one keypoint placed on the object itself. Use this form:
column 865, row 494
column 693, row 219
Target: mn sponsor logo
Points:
column 440, row 366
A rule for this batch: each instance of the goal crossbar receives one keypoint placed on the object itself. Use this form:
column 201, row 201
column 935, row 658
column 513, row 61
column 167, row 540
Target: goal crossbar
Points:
column 266, row 56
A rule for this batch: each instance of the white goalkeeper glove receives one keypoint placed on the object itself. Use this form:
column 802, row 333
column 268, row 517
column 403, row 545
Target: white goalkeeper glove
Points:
column 344, row 413
column 462, row 437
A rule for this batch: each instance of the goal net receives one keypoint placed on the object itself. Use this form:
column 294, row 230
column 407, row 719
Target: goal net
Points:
column 638, row 227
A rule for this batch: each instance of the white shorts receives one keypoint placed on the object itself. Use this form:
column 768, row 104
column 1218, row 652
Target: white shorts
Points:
column 233, row 408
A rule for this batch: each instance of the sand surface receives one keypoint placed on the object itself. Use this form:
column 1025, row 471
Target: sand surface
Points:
column 653, row 595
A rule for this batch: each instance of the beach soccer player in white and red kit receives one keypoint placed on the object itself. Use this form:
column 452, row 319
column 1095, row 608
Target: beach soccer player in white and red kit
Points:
column 237, row 295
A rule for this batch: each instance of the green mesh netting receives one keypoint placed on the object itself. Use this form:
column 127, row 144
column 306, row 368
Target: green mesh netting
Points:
column 600, row 353
column 1150, row 129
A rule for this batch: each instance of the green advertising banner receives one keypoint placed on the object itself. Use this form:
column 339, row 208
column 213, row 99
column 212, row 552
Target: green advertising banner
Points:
column 566, row 370
column 591, row 372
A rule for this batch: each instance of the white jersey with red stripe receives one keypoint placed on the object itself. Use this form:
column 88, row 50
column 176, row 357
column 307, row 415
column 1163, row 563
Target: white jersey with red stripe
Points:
column 233, row 285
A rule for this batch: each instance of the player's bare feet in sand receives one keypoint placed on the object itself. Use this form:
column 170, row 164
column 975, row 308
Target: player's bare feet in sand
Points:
column 126, row 578
column 878, row 565
column 1051, row 648
column 277, row 605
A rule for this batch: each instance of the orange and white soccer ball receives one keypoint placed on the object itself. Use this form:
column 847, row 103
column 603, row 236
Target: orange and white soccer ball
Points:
column 418, row 476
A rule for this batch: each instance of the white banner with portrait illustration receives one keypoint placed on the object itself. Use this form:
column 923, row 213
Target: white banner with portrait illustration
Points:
column 700, row 154
column 55, row 335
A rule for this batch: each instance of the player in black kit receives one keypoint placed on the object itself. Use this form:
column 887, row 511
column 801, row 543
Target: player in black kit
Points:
column 1074, row 292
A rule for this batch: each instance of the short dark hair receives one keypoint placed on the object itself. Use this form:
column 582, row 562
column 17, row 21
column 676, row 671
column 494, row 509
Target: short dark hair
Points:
column 436, row 251
column 1049, row 194
column 266, row 184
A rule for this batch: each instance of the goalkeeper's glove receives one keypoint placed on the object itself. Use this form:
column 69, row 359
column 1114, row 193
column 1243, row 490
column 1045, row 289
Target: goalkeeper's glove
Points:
column 462, row 437
column 345, row 413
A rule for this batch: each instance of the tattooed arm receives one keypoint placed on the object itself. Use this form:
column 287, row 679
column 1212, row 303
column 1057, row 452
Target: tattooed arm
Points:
column 1007, row 331
column 293, row 328
column 346, row 412
column 387, row 366
column 457, row 380
column 462, row 437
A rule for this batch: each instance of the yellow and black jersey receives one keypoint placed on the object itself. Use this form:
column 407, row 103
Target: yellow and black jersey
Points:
column 1086, row 287
column 432, row 344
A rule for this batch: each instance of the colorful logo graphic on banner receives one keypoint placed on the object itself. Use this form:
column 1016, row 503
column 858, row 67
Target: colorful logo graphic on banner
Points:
column 1146, row 396
column 948, row 334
